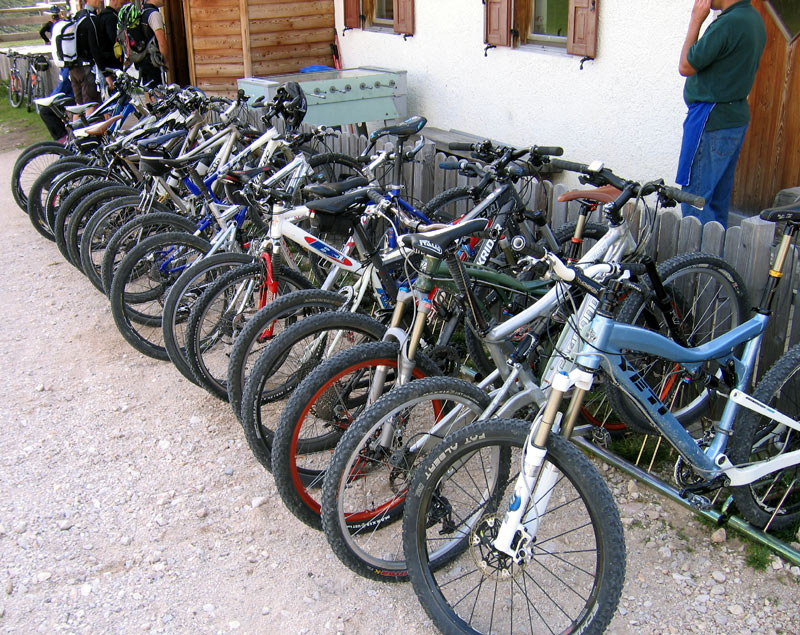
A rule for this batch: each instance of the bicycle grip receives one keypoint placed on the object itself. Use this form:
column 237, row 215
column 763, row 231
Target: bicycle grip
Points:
column 550, row 151
column 569, row 166
column 375, row 196
column 450, row 165
column 460, row 145
column 684, row 197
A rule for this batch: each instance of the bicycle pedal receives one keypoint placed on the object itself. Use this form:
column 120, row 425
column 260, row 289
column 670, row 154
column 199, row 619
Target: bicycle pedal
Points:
column 699, row 501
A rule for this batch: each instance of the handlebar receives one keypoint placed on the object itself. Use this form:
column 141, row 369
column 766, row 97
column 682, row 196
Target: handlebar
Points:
column 683, row 197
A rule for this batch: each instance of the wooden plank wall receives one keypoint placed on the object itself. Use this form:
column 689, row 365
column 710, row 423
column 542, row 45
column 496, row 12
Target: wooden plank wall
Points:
column 286, row 36
column 230, row 39
column 770, row 159
column 214, row 33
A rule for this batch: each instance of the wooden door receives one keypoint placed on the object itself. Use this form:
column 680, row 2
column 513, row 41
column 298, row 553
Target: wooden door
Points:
column 770, row 159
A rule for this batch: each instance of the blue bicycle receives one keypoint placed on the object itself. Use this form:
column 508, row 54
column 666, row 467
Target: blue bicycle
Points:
column 506, row 522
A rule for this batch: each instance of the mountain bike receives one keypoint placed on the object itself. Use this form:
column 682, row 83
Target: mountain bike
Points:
column 388, row 439
column 502, row 536
column 16, row 83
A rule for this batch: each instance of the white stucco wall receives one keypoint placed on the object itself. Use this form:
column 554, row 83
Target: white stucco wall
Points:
column 625, row 107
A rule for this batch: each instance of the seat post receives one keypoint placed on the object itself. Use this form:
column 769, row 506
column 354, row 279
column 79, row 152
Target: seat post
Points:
column 776, row 272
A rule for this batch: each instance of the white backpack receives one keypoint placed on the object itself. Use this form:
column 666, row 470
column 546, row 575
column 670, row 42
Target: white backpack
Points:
column 63, row 39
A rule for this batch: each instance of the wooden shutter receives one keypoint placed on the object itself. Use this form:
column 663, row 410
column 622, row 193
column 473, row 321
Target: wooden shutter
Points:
column 498, row 22
column 352, row 14
column 582, row 38
column 403, row 16
column 523, row 13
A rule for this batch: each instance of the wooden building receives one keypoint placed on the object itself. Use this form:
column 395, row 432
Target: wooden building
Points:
column 215, row 42
column 770, row 159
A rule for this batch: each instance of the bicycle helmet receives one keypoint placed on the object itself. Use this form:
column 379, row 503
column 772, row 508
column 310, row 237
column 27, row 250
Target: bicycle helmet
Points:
column 55, row 11
column 292, row 104
column 129, row 15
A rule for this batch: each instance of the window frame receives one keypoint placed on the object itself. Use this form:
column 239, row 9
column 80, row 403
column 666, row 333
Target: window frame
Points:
column 502, row 19
column 360, row 14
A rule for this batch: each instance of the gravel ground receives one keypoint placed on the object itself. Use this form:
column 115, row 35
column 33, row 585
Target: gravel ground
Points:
column 130, row 502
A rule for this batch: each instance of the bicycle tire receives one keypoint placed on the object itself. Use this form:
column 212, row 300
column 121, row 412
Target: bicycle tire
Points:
column 15, row 90
column 260, row 331
column 365, row 485
column 63, row 185
column 97, row 228
column 311, row 333
column 118, row 214
column 449, row 204
column 259, row 435
column 774, row 499
column 212, row 325
column 143, row 330
column 183, row 294
column 722, row 290
column 61, row 222
column 579, row 587
column 29, row 166
column 39, row 191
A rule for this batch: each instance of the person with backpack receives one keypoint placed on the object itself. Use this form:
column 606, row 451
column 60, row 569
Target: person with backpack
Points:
column 88, row 53
column 141, row 35
column 107, row 38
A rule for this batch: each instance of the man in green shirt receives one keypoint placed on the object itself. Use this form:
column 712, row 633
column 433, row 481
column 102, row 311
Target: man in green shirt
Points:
column 720, row 69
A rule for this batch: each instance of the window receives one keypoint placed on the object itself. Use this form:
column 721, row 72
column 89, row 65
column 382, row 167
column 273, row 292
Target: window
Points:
column 396, row 14
column 562, row 23
column 549, row 22
column 383, row 13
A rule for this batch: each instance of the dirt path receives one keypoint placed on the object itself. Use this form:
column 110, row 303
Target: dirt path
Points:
column 129, row 500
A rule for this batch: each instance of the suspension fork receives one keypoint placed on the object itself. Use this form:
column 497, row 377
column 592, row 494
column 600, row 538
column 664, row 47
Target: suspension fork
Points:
column 393, row 332
column 535, row 482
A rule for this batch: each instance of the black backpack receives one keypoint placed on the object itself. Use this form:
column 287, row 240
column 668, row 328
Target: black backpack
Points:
column 134, row 35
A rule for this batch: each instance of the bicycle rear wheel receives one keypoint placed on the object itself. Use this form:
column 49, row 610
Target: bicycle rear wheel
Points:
column 265, row 327
column 146, row 274
column 709, row 297
column 774, row 499
column 221, row 313
column 572, row 578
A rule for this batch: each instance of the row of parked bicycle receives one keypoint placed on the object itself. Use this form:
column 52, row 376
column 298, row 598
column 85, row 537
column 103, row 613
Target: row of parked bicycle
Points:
column 340, row 319
column 28, row 78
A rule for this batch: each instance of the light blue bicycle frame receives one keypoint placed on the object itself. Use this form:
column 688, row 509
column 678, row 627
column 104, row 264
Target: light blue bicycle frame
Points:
column 605, row 339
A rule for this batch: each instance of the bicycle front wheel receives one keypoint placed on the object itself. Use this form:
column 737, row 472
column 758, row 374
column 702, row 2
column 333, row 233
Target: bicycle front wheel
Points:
column 571, row 578
column 367, row 481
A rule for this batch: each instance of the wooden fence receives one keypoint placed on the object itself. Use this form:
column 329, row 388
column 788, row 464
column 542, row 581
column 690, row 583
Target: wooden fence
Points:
column 748, row 248
column 24, row 23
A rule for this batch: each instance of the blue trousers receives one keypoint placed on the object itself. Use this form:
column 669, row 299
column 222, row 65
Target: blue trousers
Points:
column 712, row 173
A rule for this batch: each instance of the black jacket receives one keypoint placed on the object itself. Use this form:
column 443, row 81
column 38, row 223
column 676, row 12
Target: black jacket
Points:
column 94, row 45
column 46, row 30
column 107, row 37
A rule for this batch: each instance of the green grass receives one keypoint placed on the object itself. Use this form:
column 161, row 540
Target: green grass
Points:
column 21, row 126
column 757, row 556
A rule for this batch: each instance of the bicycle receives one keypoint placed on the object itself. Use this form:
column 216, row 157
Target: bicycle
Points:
column 36, row 80
column 754, row 449
column 392, row 435
column 16, row 84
